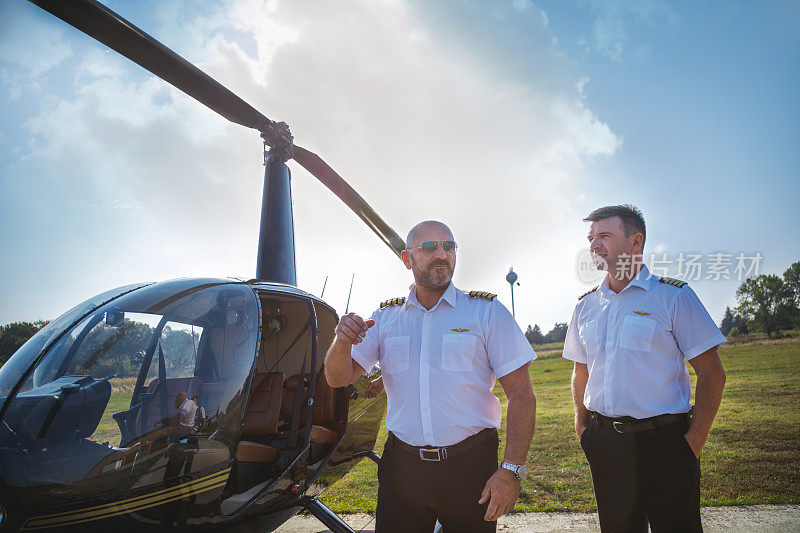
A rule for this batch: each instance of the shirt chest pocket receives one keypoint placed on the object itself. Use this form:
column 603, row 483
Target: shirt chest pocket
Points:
column 590, row 336
column 458, row 351
column 637, row 333
column 395, row 355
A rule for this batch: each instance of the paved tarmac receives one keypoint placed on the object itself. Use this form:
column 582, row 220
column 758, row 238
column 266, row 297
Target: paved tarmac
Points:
column 755, row 519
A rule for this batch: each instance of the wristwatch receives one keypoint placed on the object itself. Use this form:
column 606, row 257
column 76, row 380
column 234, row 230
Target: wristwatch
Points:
column 521, row 471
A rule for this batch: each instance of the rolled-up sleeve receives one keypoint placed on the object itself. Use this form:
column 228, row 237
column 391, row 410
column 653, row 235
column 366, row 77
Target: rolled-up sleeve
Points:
column 367, row 352
column 693, row 328
column 574, row 350
column 507, row 347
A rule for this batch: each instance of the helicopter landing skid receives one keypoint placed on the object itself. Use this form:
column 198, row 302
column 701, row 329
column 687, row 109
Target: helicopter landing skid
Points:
column 327, row 517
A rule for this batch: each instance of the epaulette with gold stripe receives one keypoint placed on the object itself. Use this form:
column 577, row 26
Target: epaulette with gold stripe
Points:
column 393, row 301
column 672, row 281
column 482, row 294
column 587, row 293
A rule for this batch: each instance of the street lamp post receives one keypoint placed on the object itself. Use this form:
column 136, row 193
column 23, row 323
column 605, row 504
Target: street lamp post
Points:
column 511, row 278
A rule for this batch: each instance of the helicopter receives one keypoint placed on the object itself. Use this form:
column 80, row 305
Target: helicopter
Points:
column 92, row 425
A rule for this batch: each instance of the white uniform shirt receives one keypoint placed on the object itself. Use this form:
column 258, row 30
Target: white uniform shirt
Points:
column 439, row 365
column 636, row 344
column 187, row 412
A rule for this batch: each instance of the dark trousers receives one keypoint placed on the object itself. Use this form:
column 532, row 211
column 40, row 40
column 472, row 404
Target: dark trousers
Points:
column 413, row 494
column 650, row 476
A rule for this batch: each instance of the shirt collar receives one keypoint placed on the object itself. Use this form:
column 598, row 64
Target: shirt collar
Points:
column 642, row 280
column 449, row 296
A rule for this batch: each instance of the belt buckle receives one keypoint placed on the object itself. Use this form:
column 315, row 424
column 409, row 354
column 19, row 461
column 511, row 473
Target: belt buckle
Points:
column 438, row 454
column 616, row 424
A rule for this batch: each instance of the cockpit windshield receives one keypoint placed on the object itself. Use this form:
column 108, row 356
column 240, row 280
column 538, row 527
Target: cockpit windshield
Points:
column 149, row 386
column 14, row 368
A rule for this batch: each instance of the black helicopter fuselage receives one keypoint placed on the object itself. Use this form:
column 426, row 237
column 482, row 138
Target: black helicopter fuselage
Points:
column 80, row 448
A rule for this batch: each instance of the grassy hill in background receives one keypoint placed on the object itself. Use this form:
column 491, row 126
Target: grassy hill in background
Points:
column 752, row 455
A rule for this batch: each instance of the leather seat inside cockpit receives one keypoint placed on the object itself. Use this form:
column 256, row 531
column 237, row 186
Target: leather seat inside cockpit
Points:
column 270, row 410
column 261, row 419
column 324, row 422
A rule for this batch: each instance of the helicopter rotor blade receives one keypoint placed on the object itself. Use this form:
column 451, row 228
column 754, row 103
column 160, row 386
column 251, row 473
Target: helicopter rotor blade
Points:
column 324, row 173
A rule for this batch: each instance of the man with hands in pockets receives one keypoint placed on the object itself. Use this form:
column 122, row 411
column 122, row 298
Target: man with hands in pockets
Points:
column 630, row 339
column 440, row 351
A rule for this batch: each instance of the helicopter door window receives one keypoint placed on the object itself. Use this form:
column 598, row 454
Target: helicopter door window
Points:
column 179, row 342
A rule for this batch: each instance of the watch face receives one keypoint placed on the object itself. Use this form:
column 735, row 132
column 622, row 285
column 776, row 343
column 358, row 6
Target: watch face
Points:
column 521, row 471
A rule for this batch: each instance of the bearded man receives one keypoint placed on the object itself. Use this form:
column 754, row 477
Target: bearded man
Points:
column 440, row 351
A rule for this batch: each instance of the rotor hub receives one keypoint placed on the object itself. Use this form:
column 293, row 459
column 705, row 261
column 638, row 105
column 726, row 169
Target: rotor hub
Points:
column 278, row 141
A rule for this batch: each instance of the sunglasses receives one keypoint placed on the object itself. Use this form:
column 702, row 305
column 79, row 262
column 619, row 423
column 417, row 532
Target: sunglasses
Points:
column 430, row 246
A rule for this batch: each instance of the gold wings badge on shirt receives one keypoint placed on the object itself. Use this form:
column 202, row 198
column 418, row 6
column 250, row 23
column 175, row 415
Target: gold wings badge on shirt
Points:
column 642, row 313
column 459, row 330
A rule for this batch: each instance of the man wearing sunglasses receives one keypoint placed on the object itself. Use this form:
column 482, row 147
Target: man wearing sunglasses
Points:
column 440, row 351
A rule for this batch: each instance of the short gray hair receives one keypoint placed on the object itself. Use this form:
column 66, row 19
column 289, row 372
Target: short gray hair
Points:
column 629, row 214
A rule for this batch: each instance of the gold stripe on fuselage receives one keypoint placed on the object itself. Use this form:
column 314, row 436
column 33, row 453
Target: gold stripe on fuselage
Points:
column 97, row 512
column 144, row 497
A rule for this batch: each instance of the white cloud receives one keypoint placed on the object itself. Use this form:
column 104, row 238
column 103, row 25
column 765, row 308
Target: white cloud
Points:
column 422, row 127
column 32, row 42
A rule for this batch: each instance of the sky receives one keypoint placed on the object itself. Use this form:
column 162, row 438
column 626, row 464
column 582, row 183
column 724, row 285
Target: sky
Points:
column 510, row 121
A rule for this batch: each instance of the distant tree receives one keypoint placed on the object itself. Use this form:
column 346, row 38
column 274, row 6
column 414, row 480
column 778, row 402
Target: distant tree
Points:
column 740, row 325
column 14, row 335
column 792, row 279
column 558, row 333
column 767, row 301
column 727, row 322
column 534, row 334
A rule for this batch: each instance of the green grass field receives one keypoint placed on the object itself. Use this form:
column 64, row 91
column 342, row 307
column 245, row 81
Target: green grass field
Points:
column 752, row 455
column 121, row 392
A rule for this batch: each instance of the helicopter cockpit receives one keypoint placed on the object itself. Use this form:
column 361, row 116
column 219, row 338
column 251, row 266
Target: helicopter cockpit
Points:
column 114, row 401
column 201, row 390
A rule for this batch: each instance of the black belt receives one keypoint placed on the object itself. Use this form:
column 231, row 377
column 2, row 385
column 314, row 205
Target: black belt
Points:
column 628, row 424
column 427, row 453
